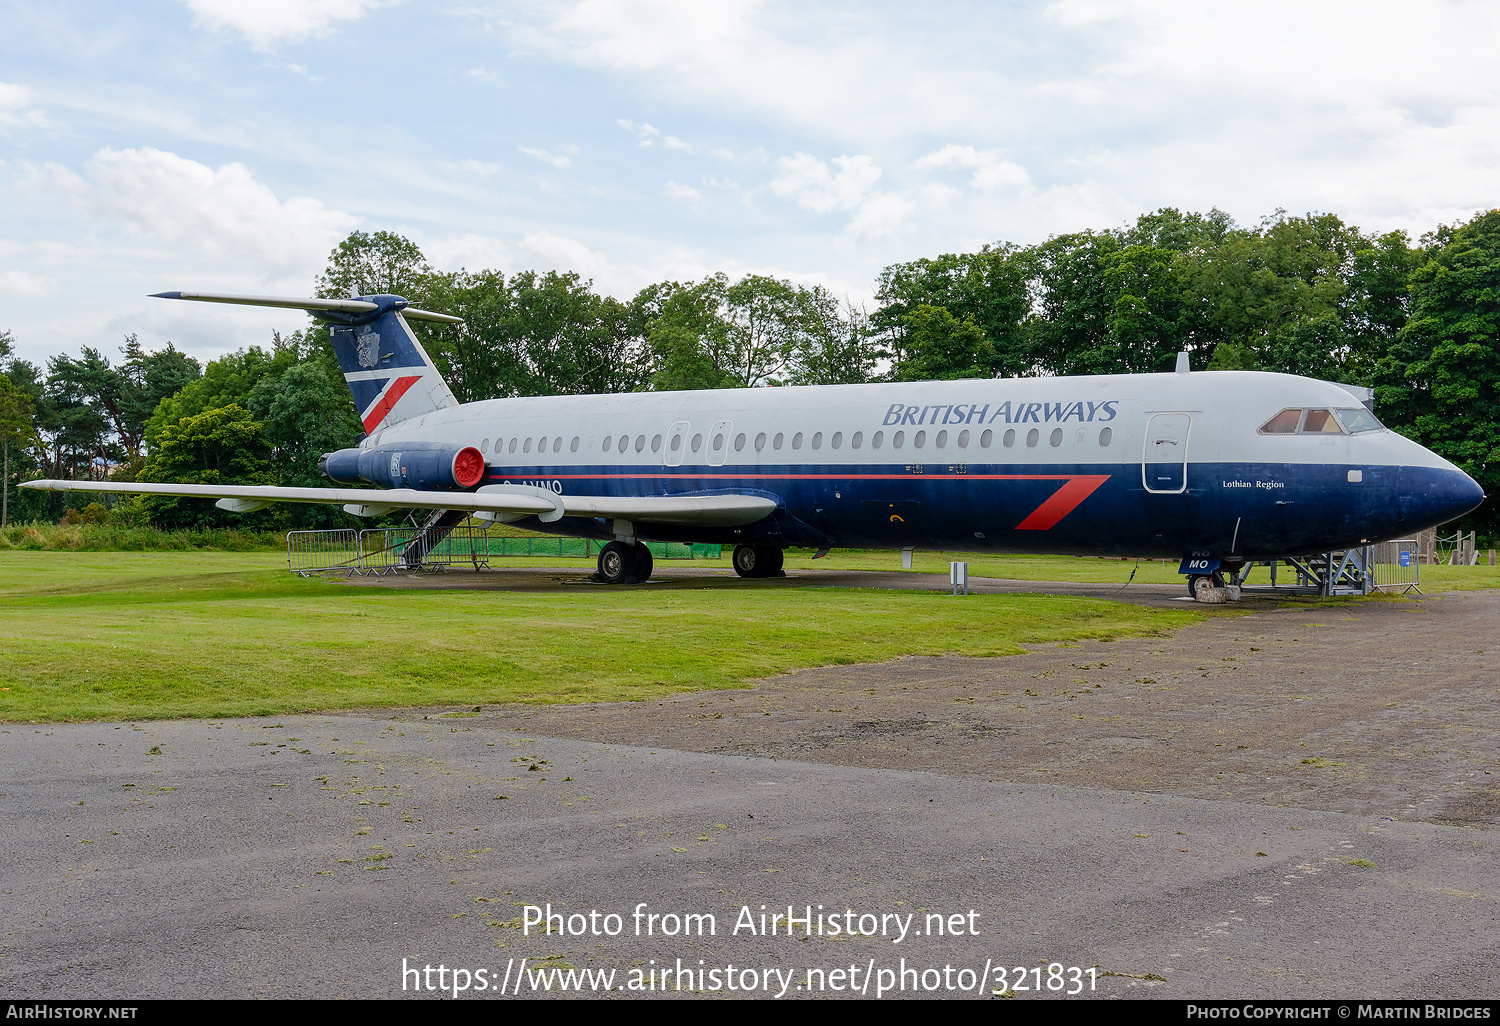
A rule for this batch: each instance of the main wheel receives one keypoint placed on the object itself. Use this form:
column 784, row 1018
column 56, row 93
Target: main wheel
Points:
column 747, row 561
column 618, row 563
column 771, row 559
column 643, row 563
column 1193, row 584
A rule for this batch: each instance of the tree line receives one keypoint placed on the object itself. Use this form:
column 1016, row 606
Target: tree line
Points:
column 1416, row 320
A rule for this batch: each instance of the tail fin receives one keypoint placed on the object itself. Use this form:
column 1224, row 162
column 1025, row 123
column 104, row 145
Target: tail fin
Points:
column 388, row 372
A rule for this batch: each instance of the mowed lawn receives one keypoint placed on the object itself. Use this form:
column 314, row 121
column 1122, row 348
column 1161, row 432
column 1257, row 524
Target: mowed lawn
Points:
column 137, row 635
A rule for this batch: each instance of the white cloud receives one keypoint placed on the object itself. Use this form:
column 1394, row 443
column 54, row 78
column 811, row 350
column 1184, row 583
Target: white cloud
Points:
column 483, row 76
column 815, row 187
column 19, row 283
column 990, row 170
column 471, row 251
column 558, row 252
column 561, row 161
column 225, row 213
column 683, row 193
column 15, row 107
column 646, row 134
column 268, row 22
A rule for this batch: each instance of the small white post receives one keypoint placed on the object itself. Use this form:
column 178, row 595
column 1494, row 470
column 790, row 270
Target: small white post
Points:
column 906, row 559
column 958, row 576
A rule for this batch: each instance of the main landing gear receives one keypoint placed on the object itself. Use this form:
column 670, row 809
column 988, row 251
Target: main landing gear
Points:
column 622, row 563
column 758, row 561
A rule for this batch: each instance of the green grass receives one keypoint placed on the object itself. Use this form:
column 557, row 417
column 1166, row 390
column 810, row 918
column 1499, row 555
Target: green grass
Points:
column 151, row 635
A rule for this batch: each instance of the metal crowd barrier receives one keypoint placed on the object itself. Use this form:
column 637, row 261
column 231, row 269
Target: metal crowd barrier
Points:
column 1397, row 566
column 384, row 550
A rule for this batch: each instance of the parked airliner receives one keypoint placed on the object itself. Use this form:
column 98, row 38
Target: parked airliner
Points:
column 1227, row 467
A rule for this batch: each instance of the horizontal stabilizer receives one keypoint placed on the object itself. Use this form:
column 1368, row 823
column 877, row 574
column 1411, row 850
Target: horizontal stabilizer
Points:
column 702, row 510
column 343, row 306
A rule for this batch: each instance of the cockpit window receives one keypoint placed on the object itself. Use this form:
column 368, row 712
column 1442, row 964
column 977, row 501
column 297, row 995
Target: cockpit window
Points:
column 1321, row 422
column 1358, row 419
column 1284, row 423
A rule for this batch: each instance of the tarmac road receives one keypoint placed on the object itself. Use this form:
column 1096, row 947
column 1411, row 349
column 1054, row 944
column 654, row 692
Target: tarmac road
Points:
column 309, row 856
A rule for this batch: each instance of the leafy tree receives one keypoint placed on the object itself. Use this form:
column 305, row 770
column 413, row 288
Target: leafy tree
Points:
column 303, row 414
column 1440, row 381
column 382, row 263
column 939, row 346
column 222, row 445
column 227, row 381
column 17, row 432
column 834, row 346
column 535, row 334
column 989, row 288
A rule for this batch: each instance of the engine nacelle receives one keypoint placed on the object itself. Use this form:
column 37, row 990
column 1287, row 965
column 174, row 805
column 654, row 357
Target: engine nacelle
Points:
column 424, row 466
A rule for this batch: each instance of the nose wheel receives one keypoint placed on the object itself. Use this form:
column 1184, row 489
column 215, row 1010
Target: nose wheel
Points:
column 1204, row 587
column 620, row 563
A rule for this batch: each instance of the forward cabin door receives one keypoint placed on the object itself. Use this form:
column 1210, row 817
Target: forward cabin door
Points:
column 1164, row 464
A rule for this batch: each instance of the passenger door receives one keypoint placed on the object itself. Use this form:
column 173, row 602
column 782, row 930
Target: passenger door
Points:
column 1164, row 463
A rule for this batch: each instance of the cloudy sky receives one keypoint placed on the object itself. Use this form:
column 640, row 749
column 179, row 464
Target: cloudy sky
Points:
column 227, row 145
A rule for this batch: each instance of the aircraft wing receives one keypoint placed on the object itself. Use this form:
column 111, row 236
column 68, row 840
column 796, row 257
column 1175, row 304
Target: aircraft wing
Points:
column 505, row 500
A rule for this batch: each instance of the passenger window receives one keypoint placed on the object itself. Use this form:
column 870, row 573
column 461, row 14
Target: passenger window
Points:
column 919, row 440
column 1358, row 419
column 676, row 442
column 624, row 442
column 837, row 440
column 739, row 441
column 656, row 443
column 1105, row 436
column 897, row 439
column 1010, row 437
column 527, row 446
column 557, row 444
column 484, row 446
column 760, row 441
column 697, row 442
column 574, row 446
column 817, row 442
column 1284, row 423
column 1031, row 438
column 859, row 437
column 513, row 445
column 776, row 442
column 718, row 441
column 1320, row 422
column 797, row 440
column 640, row 442
column 986, row 438
column 876, row 439
column 1056, row 438
column 942, row 439
column 608, row 440
column 963, row 439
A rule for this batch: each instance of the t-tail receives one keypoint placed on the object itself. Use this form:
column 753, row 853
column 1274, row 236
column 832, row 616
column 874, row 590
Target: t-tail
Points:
column 388, row 372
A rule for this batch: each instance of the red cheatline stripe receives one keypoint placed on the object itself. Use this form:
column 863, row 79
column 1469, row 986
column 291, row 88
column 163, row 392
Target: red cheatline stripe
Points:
column 1062, row 502
column 387, row 402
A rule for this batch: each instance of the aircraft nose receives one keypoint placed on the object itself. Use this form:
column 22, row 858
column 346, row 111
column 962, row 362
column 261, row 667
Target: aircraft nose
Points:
column 1431, row 496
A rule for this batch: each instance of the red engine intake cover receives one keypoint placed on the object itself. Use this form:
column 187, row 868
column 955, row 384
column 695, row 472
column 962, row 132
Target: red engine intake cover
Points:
column 468, row 467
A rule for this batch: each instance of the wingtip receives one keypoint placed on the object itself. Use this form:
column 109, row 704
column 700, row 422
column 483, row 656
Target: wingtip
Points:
column 165, row 295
